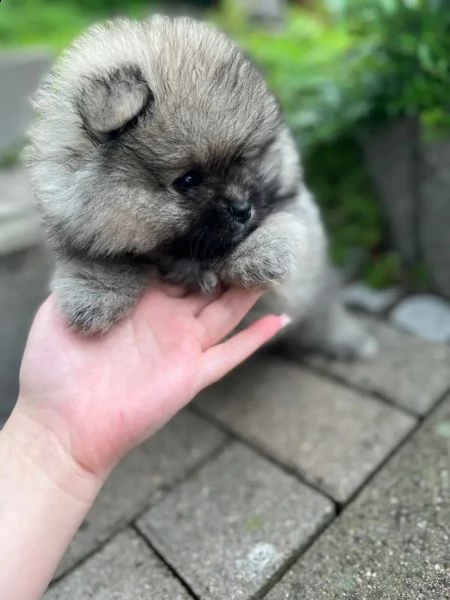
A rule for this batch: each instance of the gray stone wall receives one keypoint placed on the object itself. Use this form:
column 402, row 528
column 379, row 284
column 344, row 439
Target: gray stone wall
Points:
column 411, row 176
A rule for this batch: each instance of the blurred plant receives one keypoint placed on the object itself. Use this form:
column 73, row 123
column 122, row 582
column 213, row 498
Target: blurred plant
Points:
column 404, row 68
column 10, row 157
column 55, row 23
column 335, row 172
column 31, row 22
column 353, row 63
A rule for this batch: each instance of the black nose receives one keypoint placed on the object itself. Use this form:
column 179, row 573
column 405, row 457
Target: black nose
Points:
column 241, row 210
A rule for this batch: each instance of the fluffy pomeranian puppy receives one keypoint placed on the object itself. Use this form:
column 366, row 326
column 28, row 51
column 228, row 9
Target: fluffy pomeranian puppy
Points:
column 160, row 152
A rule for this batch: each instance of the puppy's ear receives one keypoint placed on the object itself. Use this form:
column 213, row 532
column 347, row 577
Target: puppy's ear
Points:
column 111, row 102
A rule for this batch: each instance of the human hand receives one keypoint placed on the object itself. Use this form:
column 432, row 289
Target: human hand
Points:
column 98, row 397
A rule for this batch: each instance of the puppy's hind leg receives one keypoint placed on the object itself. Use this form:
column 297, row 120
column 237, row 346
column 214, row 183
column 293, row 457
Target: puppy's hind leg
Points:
column 330, row 329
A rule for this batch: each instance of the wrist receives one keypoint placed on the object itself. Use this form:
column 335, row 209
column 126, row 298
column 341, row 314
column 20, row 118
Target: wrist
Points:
column 44, row 497
column 37, row 447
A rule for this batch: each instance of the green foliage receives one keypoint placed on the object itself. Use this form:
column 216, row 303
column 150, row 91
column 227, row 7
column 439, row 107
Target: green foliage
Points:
column 354, row 63
column 54, row 23
column 29, row 23
column 10, row 157
column 420, row 278
column 384, row 269
column 406, row 62
column 334, row 171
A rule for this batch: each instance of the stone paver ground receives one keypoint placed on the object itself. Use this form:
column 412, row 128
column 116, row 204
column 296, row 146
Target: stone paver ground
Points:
column 285, row 481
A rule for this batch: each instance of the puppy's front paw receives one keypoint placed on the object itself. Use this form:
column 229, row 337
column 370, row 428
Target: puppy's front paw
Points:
column 259, row 269
column 193, row 275
column 89, row 308
column 208, row 282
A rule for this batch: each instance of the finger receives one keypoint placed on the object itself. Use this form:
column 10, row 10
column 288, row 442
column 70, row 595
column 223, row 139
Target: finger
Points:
column 171, row 289
column 221, row 359
column 198, row 302
column 195, row 302
column 222, row 316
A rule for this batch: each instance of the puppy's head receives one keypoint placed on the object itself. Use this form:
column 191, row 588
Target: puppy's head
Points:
column 157, row 137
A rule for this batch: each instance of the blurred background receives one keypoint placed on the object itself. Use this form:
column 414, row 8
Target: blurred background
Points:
column 364, row 85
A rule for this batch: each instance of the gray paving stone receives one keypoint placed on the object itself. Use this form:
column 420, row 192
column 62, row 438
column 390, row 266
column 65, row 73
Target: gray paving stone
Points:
column 360, row 295
column 330, row 434
column 125, row 569
column 393, row 543
column 426, row 316
column 141, row 479
column 229, row 529
column 411, row 372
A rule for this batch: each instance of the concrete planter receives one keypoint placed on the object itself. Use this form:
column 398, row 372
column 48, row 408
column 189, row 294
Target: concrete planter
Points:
column 24, row 261
column 25, row 267
column 411, row 176
column 20, row 75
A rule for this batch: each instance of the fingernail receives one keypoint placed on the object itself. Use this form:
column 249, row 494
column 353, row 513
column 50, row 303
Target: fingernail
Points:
column 285, row 320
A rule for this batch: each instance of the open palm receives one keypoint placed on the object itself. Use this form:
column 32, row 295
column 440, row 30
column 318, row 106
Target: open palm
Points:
column 101, row 396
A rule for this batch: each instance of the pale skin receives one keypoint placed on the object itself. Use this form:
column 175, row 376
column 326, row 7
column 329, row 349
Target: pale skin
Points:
column 85, row 402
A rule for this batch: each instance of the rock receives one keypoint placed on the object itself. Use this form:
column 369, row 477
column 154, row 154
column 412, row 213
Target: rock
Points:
column 360, row 295
column 426, row 316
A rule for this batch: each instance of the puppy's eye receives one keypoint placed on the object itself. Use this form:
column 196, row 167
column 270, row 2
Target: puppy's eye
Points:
column 189, row 180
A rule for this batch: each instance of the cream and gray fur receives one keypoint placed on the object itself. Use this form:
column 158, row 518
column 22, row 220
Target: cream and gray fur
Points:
column 159, row 151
